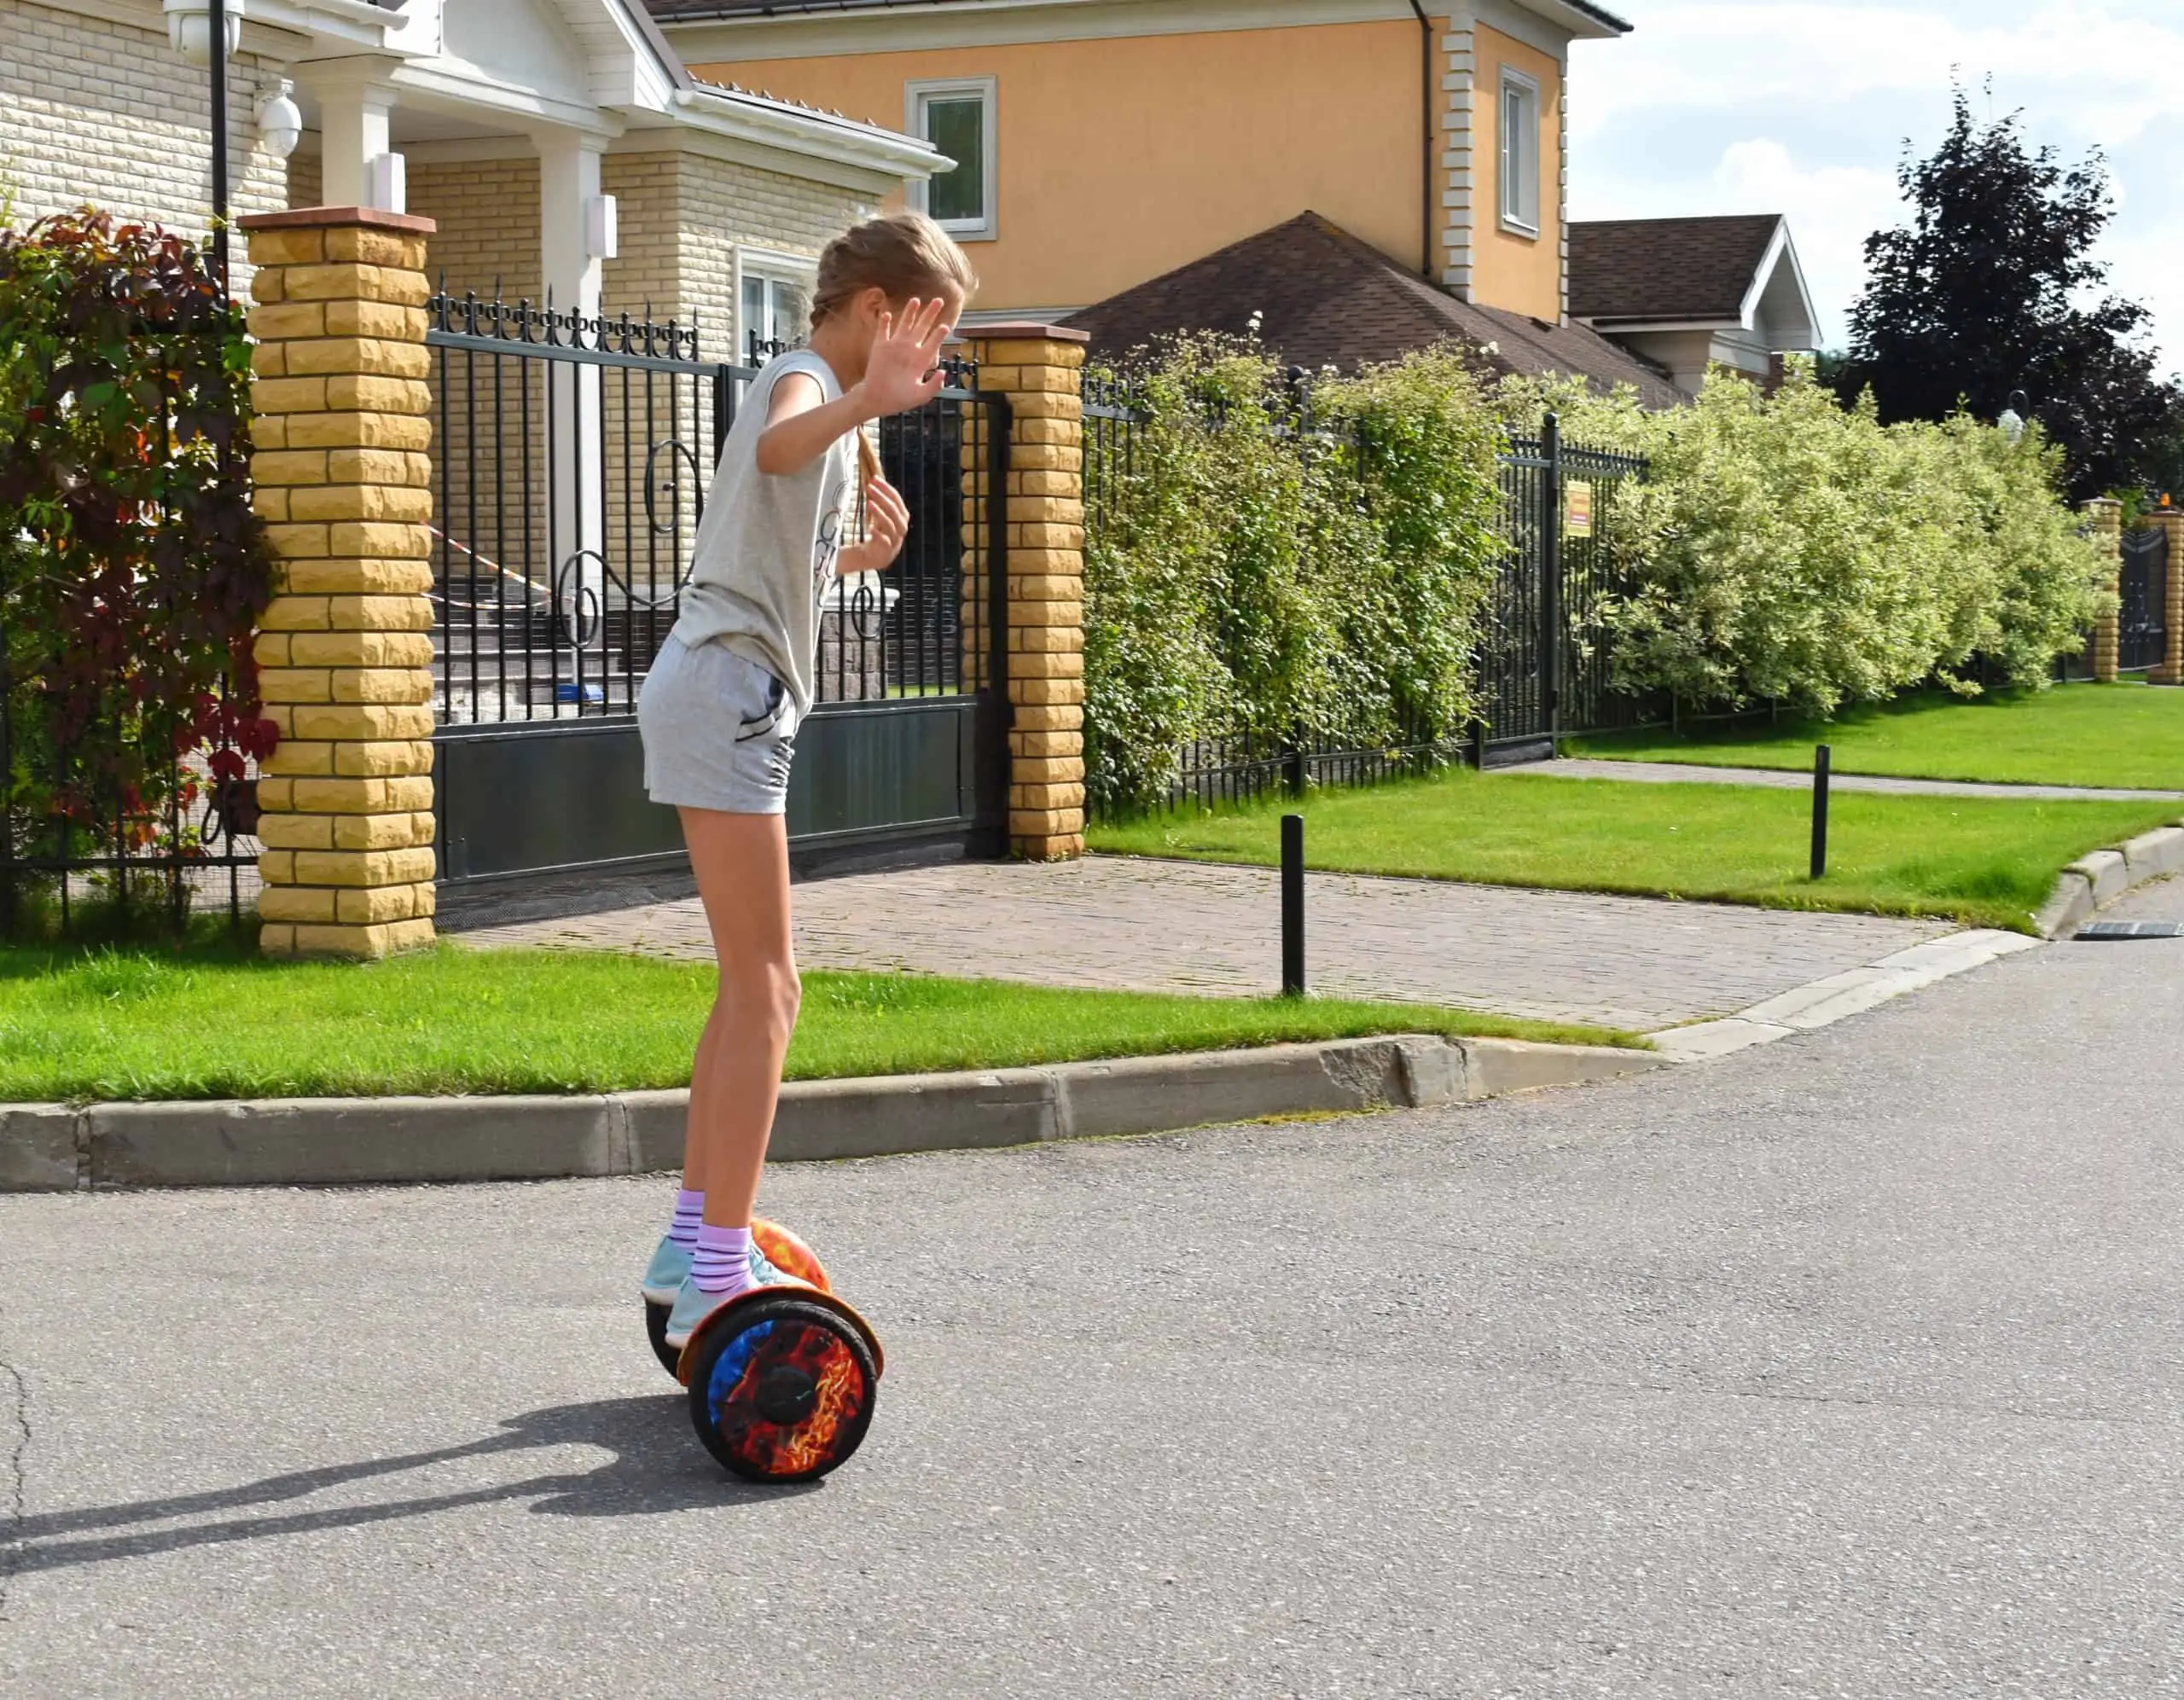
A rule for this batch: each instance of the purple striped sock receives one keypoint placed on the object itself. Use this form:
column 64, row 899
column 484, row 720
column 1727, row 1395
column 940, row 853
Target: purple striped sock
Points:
column 721, row 1262
column 690, row 1212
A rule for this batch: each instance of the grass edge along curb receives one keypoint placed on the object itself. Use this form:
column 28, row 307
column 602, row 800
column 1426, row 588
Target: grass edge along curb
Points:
column 143, row 1025
column 396, row 1141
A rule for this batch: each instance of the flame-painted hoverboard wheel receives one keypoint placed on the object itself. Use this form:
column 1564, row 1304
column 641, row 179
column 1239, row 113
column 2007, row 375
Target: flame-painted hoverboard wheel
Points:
column 783, row 1250
column 782, row 1383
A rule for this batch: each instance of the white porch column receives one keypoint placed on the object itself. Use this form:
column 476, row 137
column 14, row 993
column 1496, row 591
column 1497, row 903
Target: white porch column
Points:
column 568, row 181
column 355, row 102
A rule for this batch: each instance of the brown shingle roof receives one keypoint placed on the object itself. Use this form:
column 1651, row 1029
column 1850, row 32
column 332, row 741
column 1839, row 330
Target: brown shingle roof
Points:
column 1327, row 298
column 1645, row 271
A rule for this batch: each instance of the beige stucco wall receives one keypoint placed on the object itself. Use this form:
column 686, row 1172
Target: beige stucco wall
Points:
column 1521, row 274
column 101, row 111
column 1122, row 158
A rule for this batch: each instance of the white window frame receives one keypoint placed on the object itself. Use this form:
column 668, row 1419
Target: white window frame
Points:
column 776, row 266
column 915, row 94
column 1519, row 170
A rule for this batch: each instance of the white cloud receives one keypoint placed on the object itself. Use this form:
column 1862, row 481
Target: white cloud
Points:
column 1802, row 106
column 2106, row 72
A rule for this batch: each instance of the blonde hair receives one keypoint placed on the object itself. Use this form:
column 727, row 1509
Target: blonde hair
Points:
column 901, row 254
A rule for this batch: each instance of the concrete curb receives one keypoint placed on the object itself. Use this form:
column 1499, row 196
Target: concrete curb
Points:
column 381, row 1141
column 2091, row 883
column 2081, row 891
column 1820, row 1003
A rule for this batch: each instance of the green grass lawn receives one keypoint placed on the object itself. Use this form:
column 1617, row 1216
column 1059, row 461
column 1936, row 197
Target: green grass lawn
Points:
column 210, row 1021
column 1986, row 863
column 2131, row 736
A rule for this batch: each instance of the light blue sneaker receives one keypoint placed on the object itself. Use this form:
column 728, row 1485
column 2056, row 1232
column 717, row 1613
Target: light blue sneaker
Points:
column 693, row 1304
column 669, row 1268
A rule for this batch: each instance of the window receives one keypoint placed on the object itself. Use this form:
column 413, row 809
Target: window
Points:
column 773, row 301
column 1519, row 188
column 958, row 120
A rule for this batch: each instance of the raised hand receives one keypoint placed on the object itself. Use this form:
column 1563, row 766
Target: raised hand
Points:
column 904, row 370
column 887, row 524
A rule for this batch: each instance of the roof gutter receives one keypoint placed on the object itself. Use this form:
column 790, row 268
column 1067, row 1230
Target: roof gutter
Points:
column 1426, row 191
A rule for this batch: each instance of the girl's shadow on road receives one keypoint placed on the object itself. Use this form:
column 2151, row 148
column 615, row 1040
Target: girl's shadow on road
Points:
column 654, row 1465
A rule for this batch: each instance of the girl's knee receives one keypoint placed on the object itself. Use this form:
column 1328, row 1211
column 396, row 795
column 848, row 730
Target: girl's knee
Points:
column 769, row 993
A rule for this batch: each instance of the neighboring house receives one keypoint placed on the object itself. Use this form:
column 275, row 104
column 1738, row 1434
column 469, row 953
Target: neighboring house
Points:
column 1321, row 297
column 559, row 144
column 1689, row 295
column 1100, row 143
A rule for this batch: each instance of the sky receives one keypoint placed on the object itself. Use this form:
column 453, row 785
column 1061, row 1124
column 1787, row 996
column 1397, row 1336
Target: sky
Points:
column 1804, row 106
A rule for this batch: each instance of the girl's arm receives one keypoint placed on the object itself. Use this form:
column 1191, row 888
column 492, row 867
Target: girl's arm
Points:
column 887, row 522
column 901, row 373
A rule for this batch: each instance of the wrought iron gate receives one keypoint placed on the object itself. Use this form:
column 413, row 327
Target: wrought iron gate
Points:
column 571, row 458
column 2142, row 620
column 1544, row 665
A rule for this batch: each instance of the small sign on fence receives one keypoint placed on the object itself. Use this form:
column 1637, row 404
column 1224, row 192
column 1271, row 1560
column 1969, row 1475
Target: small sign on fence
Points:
column 1577, row 508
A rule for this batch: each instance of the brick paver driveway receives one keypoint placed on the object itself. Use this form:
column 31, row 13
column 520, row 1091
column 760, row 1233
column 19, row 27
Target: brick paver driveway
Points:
column 1128, row 923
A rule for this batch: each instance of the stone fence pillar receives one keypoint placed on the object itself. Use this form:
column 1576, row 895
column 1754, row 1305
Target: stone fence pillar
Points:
column 2171, row 670
column 343, row 480
column 2105, row 514
column 1040, row 369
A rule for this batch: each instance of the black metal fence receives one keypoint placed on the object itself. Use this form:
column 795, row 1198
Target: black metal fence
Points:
column 77, row 834
column 1545, row 664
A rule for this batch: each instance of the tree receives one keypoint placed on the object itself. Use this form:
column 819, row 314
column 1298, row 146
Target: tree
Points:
column 1991, row 289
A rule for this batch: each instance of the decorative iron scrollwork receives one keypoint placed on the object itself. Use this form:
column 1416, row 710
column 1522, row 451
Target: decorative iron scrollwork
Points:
column 680, row 457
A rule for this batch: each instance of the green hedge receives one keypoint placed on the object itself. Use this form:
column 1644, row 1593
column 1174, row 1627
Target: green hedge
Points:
column 1786, row 548
column 1262, row 574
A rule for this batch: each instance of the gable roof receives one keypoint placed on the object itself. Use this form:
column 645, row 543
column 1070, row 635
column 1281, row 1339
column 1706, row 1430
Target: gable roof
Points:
column 1632, row 272
column 1327, row 298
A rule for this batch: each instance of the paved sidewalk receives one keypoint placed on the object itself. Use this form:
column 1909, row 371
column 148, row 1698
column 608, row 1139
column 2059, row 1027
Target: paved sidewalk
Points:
column 1136, row 924
column 1691, row 773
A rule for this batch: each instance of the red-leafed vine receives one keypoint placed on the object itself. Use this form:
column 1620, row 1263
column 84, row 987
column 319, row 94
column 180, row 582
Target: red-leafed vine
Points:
column 132, row 570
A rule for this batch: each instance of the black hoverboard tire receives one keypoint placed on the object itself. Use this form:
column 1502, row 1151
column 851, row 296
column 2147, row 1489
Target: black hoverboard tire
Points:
column 670, row 1357
column 782, row 1389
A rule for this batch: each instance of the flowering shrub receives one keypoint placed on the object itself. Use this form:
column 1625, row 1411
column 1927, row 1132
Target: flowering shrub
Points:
column 1264, row 574
column 1784, row 546
column 132, row 572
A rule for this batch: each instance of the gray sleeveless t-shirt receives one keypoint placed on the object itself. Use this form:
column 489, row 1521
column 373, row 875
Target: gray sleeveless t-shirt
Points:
column 764, row 555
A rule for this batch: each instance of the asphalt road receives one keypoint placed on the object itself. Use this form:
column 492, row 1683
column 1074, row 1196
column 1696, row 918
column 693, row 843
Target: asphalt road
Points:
column 1851, row 1366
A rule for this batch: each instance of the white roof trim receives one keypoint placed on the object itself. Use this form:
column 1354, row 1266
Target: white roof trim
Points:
column 1778, row 249
column 797, row 129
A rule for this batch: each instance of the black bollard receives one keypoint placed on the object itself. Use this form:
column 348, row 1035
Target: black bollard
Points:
column 1292, row 906
column 1819, row 812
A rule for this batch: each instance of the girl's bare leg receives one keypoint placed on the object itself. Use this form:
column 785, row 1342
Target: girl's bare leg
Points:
column 702, row 1091
column 741, row 864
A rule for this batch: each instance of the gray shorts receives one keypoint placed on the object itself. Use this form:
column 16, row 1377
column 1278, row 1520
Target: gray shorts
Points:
column 718, row 730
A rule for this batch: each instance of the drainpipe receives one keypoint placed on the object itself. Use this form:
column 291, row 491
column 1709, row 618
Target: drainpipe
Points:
column 1425, row 53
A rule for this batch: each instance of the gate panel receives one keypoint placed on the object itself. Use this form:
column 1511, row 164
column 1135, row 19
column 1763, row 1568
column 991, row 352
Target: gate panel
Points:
column 573, row 456
column 2142, row 620
column 1512, row 677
